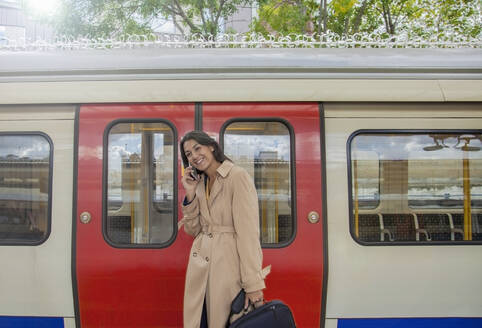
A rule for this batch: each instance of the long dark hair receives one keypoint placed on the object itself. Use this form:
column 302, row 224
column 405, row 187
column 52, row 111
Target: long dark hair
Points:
column 203, row 139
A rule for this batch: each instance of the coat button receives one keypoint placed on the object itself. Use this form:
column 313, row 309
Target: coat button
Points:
column 210, row 235
column 207, row 259
column 194, row 254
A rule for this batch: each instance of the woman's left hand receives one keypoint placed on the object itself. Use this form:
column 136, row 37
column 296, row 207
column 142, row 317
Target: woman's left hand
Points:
column 255, row 297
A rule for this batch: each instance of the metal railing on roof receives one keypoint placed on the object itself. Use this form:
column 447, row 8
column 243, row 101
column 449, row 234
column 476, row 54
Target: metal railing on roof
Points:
column 328, row 40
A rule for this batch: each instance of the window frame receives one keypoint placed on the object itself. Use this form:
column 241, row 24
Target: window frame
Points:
column 105, row 167
column 49, row 194
column 350, row 185
column 292, row 166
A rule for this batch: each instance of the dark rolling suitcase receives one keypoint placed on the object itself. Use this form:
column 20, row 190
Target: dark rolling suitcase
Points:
column 274, row 314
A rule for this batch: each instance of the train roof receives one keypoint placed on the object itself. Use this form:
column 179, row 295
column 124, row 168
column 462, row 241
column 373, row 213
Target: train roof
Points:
column 192, row 64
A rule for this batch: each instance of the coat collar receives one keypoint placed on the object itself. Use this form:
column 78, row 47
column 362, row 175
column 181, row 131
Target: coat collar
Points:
column 223, row 171
column 224, row 168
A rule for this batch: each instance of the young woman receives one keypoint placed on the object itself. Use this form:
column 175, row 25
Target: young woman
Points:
column 221, row 212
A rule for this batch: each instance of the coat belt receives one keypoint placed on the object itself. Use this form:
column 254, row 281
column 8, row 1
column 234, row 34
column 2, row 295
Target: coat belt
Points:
column 207, row 229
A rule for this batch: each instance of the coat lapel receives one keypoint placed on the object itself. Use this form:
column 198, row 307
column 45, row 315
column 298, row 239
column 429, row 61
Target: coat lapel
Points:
column 223, row 171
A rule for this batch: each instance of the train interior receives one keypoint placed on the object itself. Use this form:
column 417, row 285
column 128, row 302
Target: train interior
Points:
column 417, row 188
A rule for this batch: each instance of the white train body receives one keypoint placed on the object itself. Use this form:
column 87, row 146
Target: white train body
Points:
column 61, row 279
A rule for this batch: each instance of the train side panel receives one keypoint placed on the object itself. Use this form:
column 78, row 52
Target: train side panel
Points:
column 35, row 279
column 394, row 281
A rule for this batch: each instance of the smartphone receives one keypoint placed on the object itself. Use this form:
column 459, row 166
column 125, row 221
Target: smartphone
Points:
column 194, row 174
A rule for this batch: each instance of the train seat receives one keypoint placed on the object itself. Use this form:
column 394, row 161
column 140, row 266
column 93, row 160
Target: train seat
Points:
column 420, row 230
column 369, row 228
column 387, row 227
column 456, row 223
column 477, row 226
column 401, row 225
column 439, row 226
column 119, row 229
column 419, row 227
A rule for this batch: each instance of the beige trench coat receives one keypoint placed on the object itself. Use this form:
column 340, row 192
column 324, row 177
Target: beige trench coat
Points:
column 226, row 253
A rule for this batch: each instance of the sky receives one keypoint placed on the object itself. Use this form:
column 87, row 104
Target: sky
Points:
column 401, row 147
column 42, row 7
column 250, row 146
column 34, row 147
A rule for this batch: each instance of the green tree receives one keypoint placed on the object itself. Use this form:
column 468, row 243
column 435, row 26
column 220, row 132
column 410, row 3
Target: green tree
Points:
column 395, row 12
column 99, row 18
column 348, row 17
column 383, row 17
column 322, row 16
column 442, row 17
column 114, row 18
column 343, row 17
column 424, row 18
column 285, row 17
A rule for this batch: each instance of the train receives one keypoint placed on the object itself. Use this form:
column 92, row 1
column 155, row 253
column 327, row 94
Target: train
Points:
column 367, row 164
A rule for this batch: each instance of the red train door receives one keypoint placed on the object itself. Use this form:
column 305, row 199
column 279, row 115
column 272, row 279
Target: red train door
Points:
column 279, row 144
column 130, row 263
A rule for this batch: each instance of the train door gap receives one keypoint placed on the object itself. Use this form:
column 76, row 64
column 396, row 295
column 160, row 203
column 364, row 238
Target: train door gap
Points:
column 323, row 215
column 198, row 116
column 73, row 260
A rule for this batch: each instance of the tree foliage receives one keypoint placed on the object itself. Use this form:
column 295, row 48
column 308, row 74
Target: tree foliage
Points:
column 383, row 17
column 439, row 17
column 101, row 18
column 285, row 17
column 114, row 18
column 345, row 16
column 417, row 18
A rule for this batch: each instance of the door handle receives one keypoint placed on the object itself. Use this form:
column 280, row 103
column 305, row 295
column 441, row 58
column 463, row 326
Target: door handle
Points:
column 313, row 217
column 85, row 217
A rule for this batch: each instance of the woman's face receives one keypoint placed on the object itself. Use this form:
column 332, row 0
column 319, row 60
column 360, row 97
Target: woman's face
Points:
column 199, row 156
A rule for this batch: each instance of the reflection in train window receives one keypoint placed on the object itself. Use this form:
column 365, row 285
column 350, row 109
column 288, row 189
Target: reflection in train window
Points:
column 368, row 175
column 140, row 184
column 264, row 150
column 25, row 175
column 430, row 187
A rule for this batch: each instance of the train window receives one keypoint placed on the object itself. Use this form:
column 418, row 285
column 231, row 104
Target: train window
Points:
column 25, row 182
column 140, row 184
column 264, row 150
column 430, row 187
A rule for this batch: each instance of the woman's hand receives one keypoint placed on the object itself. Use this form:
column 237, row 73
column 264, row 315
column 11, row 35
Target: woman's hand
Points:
column 189, row 183
column 256, row 298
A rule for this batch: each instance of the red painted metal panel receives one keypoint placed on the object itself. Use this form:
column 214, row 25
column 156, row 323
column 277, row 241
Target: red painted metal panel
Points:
column 124, row 287
column 144, row 287
column 297, row 270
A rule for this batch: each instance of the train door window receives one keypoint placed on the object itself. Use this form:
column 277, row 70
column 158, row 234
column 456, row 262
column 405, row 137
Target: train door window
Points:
column 140, row 184
column 25, row 183
column 430, row 187
column 264, row 149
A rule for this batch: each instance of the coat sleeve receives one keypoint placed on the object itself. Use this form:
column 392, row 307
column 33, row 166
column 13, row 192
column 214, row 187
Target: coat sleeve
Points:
column 246, row 224
column 190, row 221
